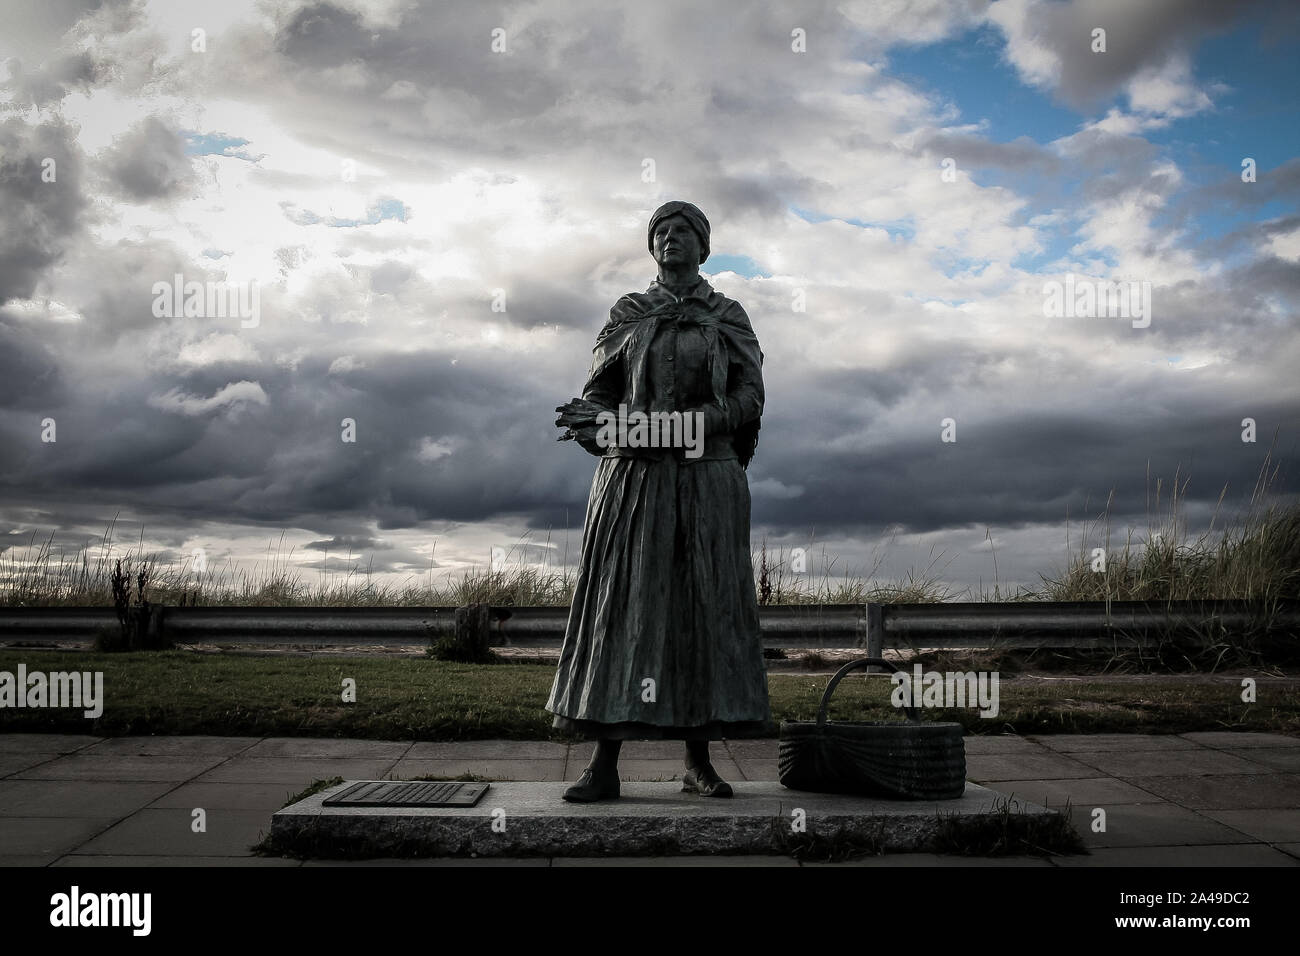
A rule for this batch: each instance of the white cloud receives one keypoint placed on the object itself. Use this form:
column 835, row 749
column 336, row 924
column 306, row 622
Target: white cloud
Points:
column 216, row 348
column 231, row 395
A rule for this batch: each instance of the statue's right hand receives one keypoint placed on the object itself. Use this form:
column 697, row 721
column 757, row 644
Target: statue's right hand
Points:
column 577, row 412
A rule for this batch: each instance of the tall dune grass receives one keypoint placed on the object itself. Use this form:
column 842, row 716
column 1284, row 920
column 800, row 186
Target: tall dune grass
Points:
column 1253, row 556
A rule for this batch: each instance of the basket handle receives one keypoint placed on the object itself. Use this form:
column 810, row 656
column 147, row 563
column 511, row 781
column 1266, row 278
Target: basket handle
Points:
column 840, row 674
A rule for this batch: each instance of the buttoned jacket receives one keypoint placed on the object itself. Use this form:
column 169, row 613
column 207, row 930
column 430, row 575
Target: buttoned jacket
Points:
column 733, row 401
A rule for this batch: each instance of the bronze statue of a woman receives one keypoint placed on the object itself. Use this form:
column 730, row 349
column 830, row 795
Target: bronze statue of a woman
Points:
column 663, row 636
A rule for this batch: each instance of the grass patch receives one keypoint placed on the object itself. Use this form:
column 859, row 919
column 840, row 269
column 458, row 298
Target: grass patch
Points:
column 181, row 692
column 999, row 832
column 315, row 787
column 1002, row 832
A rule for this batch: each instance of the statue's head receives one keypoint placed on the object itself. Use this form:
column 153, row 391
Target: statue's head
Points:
column 678, row 234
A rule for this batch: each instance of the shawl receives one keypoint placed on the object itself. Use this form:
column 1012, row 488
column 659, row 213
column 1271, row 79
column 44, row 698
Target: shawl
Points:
column 734, row 359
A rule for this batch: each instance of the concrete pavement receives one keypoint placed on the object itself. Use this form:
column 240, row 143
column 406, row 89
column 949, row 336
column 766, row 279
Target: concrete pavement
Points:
column 1200, row 799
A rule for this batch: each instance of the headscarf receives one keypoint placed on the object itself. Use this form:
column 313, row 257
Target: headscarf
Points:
column 693, row 216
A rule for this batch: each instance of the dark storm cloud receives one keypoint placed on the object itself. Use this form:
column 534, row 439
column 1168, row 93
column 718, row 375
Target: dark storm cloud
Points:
column 1279, row 184
column 37, row 218
column 54, row 79
column 34, row 28
column 346, row 542
column 1139, row 37
column 431, row 79
column 112, row 287
column 1274, row 278
column 30, row 378
column 1023, row 468
column 284, row 459
column 428, row 49
column 148, row 162
column 765, row 196
column 54, row 47
column 972, row 151
column 532, row 303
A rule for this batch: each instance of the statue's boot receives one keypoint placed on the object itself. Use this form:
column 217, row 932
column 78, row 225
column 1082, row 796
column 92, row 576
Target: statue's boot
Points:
column 700, row 777
column 600, row 780
column 706, row 782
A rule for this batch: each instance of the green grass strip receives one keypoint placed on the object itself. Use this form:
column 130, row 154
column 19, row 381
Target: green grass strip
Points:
column 181, row 692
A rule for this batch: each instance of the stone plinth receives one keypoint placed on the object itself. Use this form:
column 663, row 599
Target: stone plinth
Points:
column 650, row 819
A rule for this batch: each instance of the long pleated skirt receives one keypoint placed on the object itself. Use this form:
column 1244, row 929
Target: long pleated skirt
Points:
column 663, row 637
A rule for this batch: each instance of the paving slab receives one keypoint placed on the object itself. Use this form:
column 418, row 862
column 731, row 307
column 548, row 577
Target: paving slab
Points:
column 1270, row 826
column 1230, row 792
column 1251, row 854
column 1275, row 758
column 660, row 750
column 77, row 798
column 297, row 772
column 489, row 750
column 534, row 861
column 1002, row 744
column 328, row 747
column 763, row 748
column 52, row 743
column 753, row 769
column 1156, row 763
column 170, row 746
column 651, row 819
column 40, row 836
column 122, row 767
column 15, row 763
column 1088, row 743
column 503, row 769
column 728, row 860
column 937, row 859
column 1081, row 792
column 1148, row 824
column 1048, row 766
column 108, row 860
column 1233, row 740
column 168, row 833
column 267, row 797
column 663, row 770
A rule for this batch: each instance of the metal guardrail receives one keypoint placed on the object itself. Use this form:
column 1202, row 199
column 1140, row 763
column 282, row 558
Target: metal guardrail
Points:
column 1073, row 624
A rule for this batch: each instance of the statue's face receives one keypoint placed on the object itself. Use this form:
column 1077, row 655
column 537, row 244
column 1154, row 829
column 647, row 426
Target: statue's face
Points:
column 675, row 243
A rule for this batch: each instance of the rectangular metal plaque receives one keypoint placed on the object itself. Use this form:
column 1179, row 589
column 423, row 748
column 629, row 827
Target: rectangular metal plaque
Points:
column 415, row 793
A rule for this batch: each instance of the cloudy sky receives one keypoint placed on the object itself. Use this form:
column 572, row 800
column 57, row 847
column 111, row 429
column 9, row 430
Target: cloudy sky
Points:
column 436, row 205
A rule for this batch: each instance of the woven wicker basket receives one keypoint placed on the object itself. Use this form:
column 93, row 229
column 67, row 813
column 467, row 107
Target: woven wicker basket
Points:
column 907, row 760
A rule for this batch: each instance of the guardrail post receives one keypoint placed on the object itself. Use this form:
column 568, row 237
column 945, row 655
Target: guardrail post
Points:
column 469, row 643
column 875, row 629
